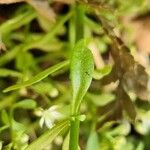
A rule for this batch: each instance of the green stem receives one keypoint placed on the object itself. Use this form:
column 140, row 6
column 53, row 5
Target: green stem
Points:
column 74, row 134
column 79, row 22
column 75, row 123
column 72, row 31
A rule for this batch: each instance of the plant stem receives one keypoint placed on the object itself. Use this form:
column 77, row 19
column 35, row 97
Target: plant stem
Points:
column 74, row 134
column 75, row 123
column 79, row 22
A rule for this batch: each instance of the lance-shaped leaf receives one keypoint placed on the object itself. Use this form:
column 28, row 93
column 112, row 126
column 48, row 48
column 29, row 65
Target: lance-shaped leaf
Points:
column 82, row 67
column 45, row 139
column 16, row 22
column 38, row 77
column 25, row 104
column 7, row 72
column 93, row 142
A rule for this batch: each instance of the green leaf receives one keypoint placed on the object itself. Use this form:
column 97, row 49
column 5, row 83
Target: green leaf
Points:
column 45, row 139
column 17, row 126
column 82, row 67
column 99, row 74
column 24, row 60
column 140, row 146
column 65, row 145
column 94, row 26
column 93, row 143
column 4, row 117
column 39, row 43
column 7, row 72
column 101, row 99
column 25, row 104
column 38, row 77
column 7, row 101
column 17, row 22
column 7, row 57
column 43, row 87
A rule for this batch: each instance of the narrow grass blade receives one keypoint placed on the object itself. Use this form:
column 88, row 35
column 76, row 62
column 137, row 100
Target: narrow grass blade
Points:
column 44, row 140
column 38, row 77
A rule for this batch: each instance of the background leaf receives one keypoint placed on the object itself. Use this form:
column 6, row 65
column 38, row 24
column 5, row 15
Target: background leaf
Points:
column 93, row 142
column 7, row 72
column 25, row 104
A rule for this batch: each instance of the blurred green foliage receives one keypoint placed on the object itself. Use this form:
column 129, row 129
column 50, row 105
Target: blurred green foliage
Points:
column 35, row 75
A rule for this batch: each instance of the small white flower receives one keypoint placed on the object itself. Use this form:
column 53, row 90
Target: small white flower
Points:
column 49, row 116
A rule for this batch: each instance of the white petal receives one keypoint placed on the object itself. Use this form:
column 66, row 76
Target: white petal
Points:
column 56, row 115
column 41, row 122
column 48, row 123
column 53, row 108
